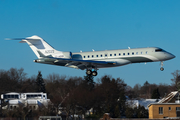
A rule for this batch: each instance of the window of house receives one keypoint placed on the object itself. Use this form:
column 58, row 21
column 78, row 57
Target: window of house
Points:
column 160, row 110
column 169, row 108
column 177, row 108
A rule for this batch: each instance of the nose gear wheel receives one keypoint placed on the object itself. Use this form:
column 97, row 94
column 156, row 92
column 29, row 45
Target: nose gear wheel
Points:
column 162, row 66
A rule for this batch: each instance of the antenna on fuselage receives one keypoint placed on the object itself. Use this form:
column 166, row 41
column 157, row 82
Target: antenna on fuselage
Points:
column 93, row 50
column 129, row 47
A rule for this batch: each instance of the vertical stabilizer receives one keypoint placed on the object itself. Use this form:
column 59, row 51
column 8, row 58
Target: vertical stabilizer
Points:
column 37, row 44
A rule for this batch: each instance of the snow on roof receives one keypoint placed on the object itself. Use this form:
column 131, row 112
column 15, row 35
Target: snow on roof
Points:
column 143, row 102
column 168, row 97
column 11, row 93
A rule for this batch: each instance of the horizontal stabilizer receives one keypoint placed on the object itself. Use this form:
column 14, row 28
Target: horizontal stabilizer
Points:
column 27, row 38
column 15, row 38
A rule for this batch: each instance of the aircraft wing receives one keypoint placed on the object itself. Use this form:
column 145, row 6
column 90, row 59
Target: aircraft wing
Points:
column 82, row 64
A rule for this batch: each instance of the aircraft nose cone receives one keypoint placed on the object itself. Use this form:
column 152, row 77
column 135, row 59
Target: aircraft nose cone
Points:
column 172, row 56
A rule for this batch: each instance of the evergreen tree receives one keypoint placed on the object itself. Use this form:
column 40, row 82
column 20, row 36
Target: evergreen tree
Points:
column 142, row 112
column 40, row 83
column 129, row 112
column 146, row 83
column 155, row 94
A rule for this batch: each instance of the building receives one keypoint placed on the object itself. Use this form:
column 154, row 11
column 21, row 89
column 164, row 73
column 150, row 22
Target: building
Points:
column 168, row 107
column 31, row 100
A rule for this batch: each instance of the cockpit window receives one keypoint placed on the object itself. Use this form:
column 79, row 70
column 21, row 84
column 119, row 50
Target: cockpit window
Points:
column 159, row 50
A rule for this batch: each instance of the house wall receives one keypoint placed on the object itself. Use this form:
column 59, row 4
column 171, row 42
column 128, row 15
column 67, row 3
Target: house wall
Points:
column 154, row 110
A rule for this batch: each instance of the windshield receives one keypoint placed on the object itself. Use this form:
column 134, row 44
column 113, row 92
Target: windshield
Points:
column 159, row 50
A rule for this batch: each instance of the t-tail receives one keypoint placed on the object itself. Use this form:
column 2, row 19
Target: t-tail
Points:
column 42, row 49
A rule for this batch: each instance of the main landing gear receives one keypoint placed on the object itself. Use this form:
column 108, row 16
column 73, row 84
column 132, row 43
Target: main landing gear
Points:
column 90, row 72
column 162, row 66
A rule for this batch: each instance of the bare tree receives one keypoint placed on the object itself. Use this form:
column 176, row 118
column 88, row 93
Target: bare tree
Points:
column 175, row 79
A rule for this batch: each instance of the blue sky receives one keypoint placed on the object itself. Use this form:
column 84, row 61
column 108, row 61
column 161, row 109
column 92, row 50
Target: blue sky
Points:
column 74, row 25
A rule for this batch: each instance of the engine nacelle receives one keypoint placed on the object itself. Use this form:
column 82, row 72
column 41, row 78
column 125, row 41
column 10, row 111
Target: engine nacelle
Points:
column 67, row 55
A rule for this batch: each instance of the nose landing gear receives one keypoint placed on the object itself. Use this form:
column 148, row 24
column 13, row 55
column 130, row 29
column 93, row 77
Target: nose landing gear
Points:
column 162, row 66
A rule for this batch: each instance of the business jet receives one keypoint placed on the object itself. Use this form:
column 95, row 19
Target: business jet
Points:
column 92, row 61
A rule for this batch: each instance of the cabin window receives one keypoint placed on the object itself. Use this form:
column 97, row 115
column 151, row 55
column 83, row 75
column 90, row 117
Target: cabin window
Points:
column 114, row 54
column 119, row 54
column 146, row 52
column 88, row 56
column 136, row 53
column 105, row 55
column 92, row 56
column 169, row 108
column 110, row 54
column 123, row 53
column 141, row 52
column 132, row 53
column 160, row 110
column 128, row 53
column 101, row 55
column 96, row 55
column 84, row 56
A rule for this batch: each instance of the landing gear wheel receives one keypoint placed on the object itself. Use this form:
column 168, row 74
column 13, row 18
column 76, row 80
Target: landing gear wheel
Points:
column 94, row 73
column 161, row 68
column 88, row 72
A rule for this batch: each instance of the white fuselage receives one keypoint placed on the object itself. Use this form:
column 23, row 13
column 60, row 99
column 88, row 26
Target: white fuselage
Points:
column 125, row 56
